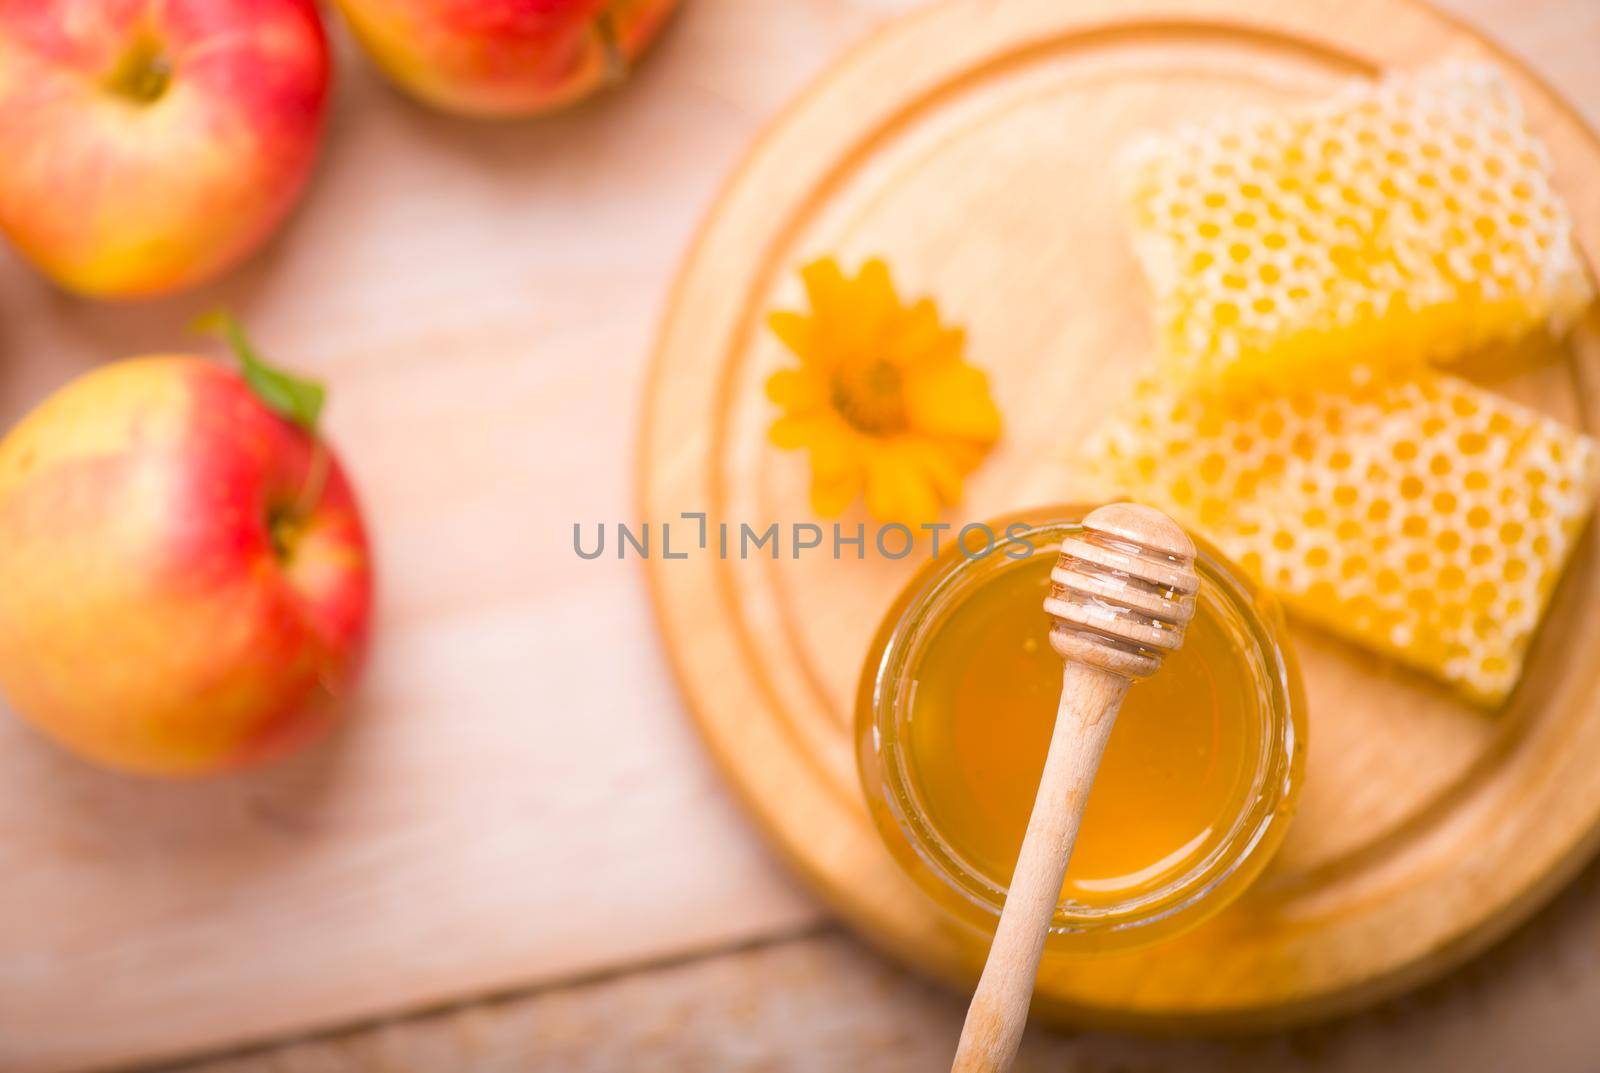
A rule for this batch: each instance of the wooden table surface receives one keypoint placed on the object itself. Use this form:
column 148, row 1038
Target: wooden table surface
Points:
column 728, row 965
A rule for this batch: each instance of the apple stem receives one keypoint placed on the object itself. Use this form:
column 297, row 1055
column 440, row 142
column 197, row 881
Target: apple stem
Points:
column 316, row 480
column 605, row 28
column 284, row 523
column 293, row 398
column 296, row 400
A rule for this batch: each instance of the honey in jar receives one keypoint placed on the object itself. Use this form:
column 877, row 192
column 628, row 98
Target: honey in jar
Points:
column 1198, row 780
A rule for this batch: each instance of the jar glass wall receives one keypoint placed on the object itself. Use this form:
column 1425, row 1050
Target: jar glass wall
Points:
column 953, row 718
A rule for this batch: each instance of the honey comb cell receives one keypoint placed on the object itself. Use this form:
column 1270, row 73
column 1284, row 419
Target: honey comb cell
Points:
column 1410, row 220
column 1425, row 518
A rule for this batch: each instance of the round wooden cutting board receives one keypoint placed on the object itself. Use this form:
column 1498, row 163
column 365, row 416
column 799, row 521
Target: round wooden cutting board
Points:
column 971, row 145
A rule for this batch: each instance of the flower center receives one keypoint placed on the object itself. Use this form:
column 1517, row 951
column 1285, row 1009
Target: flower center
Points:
column 143, row 73
column 868, row 395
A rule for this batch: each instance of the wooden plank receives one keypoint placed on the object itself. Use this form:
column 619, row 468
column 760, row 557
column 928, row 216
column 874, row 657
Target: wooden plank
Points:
column 822, row 1003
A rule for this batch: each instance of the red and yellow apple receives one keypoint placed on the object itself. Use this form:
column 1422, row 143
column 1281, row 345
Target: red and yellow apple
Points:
column 148, row 145
column 504, row 57
column 185, row 575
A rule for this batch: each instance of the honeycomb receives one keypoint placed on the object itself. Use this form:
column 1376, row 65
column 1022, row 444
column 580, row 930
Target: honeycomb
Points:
column 1411, row 219
column 1425, row 518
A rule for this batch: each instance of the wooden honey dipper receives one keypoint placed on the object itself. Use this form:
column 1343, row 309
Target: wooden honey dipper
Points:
column 1123, row 590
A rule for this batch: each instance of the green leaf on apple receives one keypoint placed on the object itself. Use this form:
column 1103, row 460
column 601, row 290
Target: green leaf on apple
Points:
column 291, row 397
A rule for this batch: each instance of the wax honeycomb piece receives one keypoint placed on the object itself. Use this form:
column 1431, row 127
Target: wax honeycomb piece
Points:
column 1411, row 220
column 1425, row 518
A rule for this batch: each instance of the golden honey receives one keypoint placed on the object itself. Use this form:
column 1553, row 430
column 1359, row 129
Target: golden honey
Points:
column 1194, row 792
column 1179, row 763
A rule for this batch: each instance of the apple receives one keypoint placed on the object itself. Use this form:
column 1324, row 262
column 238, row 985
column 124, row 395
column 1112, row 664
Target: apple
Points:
column 149, row 146
column 186, row 579
column 504, row 57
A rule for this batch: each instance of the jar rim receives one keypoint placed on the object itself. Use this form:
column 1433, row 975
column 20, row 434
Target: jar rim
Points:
column 947, row 581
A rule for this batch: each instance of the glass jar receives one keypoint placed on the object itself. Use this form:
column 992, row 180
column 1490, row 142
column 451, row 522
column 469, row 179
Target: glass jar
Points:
column 911, row 754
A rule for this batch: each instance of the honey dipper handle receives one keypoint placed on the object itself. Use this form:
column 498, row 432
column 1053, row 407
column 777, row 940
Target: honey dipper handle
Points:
column 1090, row 698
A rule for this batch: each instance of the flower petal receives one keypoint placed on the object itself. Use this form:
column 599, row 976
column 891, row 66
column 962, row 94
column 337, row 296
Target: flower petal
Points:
column 876, row 304
column 797, row 390
column 831, row 493
column 793, row 431
column 828, row 291
column 963, row 454
column 795, row 331
column 898, row 490
column 836, row 469
column 941, row 462
column 918, row 336
column 951, row 398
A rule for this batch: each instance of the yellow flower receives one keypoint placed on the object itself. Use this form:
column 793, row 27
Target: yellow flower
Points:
column 883, row 399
